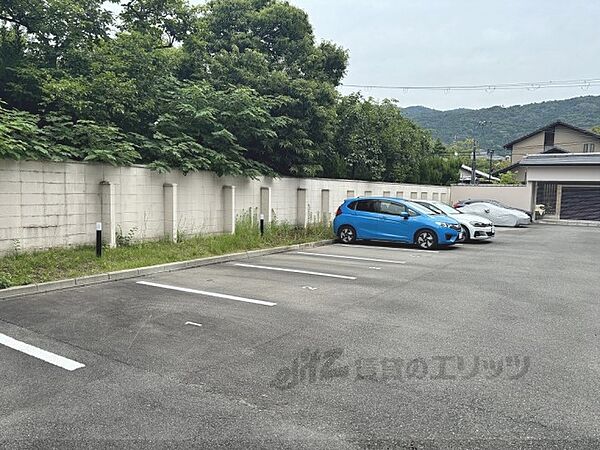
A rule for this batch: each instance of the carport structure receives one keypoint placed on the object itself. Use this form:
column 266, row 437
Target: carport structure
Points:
column 568, row 184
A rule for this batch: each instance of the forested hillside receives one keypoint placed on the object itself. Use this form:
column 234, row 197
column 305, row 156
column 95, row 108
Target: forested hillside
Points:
column 233, row 86
column 505, row 124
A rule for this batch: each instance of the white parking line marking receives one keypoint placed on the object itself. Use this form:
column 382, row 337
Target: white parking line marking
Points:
column 305, row 272
column 375, row 268
column 207, row 294
column 194, row 324
column 357, row 258
column 52, row 358
column 398, row 249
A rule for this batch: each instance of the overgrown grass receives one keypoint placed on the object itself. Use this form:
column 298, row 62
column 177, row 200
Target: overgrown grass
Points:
column 56, row 264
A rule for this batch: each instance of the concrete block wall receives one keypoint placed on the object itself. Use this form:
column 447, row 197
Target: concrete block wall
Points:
column 47, row 204
column 515, row 196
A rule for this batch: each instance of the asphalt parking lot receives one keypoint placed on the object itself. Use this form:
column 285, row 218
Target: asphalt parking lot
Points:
column 483, row 345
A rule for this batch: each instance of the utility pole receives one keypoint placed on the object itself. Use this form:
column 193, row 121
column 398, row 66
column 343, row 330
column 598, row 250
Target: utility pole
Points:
column 474, row 164
column 476, row 132
column 491, row 153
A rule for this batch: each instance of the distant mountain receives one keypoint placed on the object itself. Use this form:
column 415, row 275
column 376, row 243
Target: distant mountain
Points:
column 504, row 124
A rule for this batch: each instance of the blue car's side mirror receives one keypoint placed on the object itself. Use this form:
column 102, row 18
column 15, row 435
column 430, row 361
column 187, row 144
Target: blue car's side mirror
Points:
column 404, row 215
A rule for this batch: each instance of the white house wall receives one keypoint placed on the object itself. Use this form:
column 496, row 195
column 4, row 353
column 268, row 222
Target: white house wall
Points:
column 572, row 140
column 564, row 173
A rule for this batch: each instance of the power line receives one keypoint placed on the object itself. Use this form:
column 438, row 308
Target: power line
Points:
column 559, row 144
column 531, row 86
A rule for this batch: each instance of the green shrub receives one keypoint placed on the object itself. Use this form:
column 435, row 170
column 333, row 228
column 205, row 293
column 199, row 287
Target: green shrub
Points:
column 125, row 240
column 61, row 263
column 5, row 281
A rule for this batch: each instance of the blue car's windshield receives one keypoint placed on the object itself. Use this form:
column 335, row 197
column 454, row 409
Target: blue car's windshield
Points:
column 420, row 209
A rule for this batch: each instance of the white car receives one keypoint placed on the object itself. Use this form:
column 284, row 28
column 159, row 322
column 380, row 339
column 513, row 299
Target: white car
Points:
column 501, row 217
column 474, row 228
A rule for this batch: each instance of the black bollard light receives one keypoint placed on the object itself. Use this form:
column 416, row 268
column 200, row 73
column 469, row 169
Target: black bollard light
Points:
column 98, row 239
column 262, row 224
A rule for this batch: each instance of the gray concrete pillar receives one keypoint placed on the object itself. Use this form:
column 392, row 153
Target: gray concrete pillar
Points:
column 265, row 204
column 229, row 209
column 108, row 213
column 170, row 205
column 325, row 205
column 558, row 200
column 301, row 208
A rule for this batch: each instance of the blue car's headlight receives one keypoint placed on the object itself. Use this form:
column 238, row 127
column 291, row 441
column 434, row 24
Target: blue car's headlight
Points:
column 453, row 226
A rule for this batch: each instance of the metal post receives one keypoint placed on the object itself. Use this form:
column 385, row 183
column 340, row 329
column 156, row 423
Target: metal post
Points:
column 98, row 239
column 491, row 152
column 262, row 224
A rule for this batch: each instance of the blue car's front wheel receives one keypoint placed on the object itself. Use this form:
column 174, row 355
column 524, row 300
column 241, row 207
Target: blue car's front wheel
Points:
column 426, row 239
column 347, row 234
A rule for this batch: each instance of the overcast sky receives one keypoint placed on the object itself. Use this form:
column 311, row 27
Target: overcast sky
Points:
column 462, row 42
column 457, row 42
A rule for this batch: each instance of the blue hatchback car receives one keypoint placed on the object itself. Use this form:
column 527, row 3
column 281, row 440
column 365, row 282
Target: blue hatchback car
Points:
column 394, row 219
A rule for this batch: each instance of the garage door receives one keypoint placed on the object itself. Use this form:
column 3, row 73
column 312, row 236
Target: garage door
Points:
column 580, row 203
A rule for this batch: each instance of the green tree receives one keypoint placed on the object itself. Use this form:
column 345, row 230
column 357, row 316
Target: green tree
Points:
column 122, row 81
column 509, row 178
column 375, row 142
column 438, row 170
column 462, row 148
column 207, row 129
column 269, row 46
column 233, row 86
column 166, row 21
column 56, row 30
column 358, row 140
column 20, row 137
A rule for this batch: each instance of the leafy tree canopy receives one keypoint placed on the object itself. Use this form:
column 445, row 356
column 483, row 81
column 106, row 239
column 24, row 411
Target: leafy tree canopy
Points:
column 233, row 86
